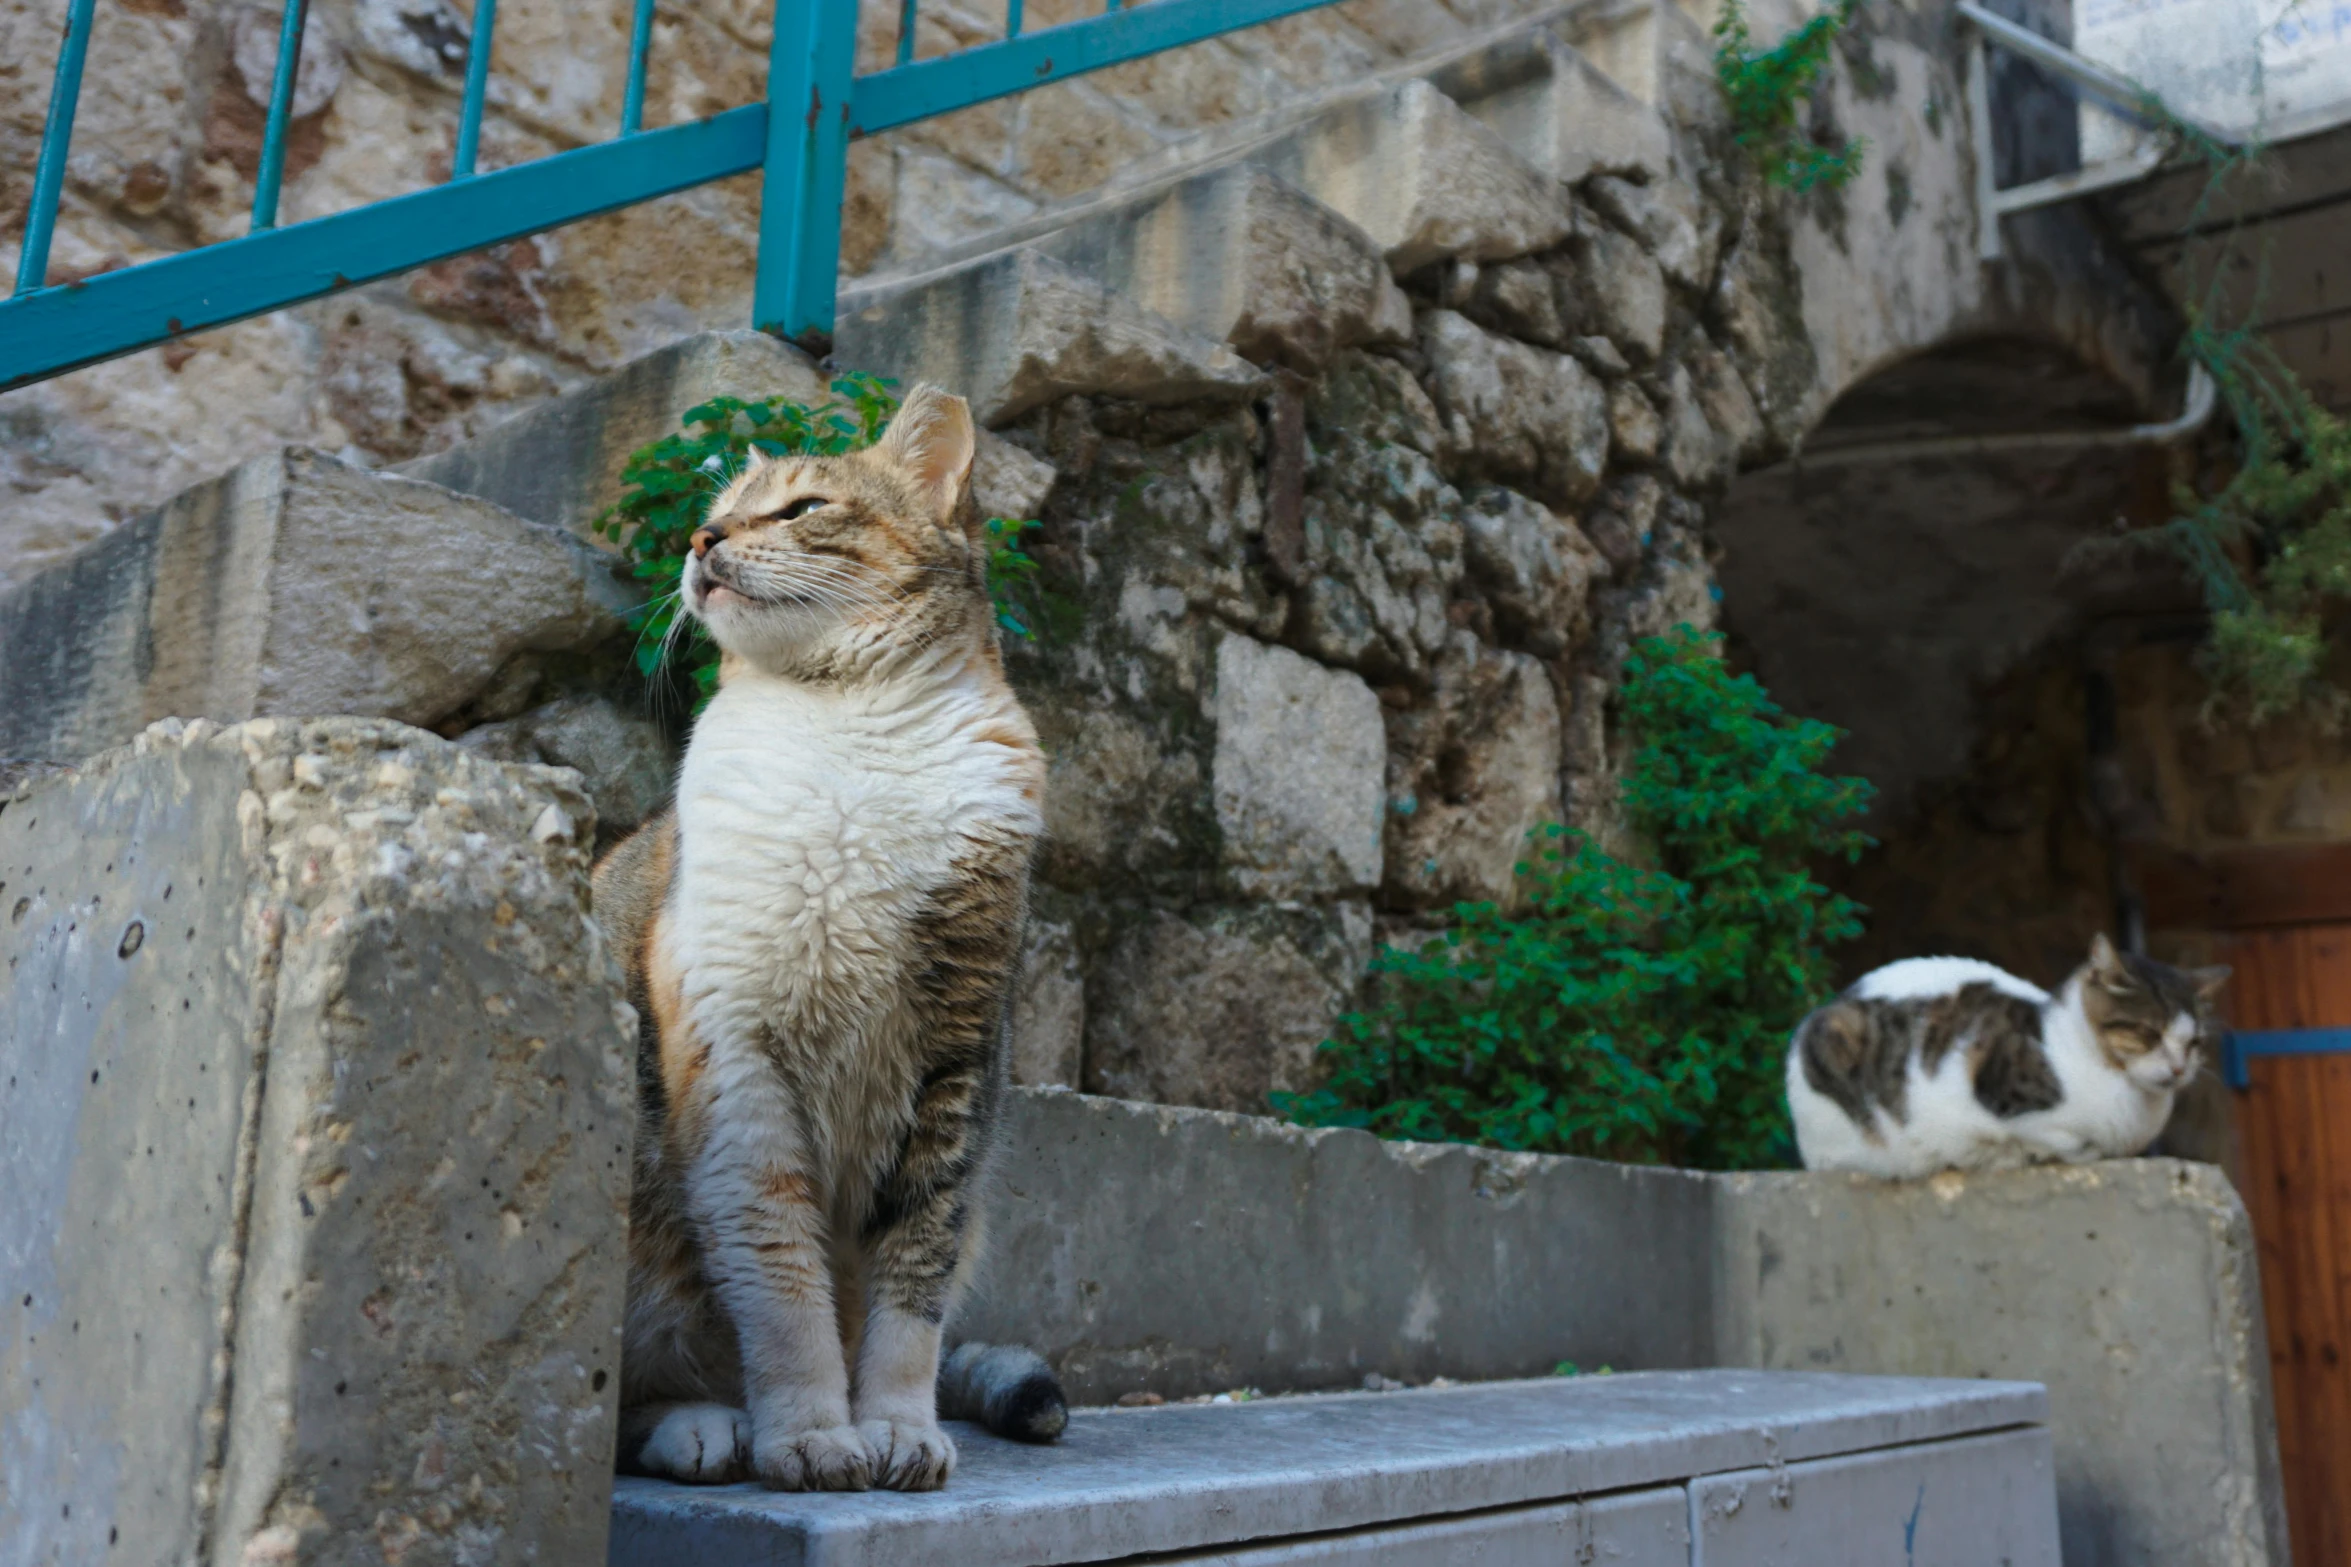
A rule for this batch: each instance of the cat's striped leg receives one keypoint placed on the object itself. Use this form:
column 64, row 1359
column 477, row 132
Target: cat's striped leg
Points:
column 761, row 1212
column 924, row 1223
column 916, row 1244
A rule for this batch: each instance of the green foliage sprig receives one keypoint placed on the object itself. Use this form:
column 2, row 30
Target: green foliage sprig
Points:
column 1627, row 1012
column 1768, row 89
column 667, row 487
column 2269, row 545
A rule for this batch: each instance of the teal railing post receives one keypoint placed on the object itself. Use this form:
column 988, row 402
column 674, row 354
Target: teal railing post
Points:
column 809, row 70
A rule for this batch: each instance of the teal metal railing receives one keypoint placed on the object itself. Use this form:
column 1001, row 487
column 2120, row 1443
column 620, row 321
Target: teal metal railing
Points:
column 816, row 105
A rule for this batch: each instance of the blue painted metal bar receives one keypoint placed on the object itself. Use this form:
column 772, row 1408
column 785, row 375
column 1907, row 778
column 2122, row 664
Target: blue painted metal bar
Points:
column 906, row 30
column 65, row 92
column 63, row 328
column 2240, row 1046
column 810, row 71
column 477, row 88
column 803, row 150
column 281, row 115
column 632, row 103
column 906, row 93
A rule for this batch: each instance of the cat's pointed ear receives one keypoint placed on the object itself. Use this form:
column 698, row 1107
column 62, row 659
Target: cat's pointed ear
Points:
column 2106, row 965
column 932, row 441
column 2208, row 981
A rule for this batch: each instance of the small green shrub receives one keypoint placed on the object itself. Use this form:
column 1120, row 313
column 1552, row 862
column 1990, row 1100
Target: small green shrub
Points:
column 667, row 487
column 1627, row 1012
column 1768, row 90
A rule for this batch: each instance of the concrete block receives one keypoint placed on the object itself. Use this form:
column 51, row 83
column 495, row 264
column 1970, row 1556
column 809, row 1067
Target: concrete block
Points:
column 1977, row 1500
column 1425, row 180
column 315, row 1131
column 1123, row 1483
column 1191, row 1251
column 294, row 584
column 2130, row 1288
column 1020, row 328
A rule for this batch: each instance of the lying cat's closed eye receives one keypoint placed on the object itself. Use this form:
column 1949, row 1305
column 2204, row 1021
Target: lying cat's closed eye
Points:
column 1949, row 1064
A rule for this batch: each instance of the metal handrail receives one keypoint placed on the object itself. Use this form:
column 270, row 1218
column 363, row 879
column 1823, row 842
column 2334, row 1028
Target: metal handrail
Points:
column 816, row 105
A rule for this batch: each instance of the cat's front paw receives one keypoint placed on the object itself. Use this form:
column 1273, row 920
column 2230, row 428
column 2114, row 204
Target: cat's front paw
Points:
column 700, row 1444
column 825, row 1458
column 909, row 1455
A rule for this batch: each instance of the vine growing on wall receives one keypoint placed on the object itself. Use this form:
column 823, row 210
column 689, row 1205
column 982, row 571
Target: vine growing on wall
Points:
column 2268, row 539
column 667, row 488
column 1769, row 90
column 1636, row 1012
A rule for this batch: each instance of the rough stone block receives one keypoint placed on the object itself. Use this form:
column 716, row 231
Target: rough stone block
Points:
column 1427, row 182
column 1299, row 753
column 2130, row 1288
column 318, row 1073
column 1020, row 328
column 1571, row 120
column 295, row 584
column 1668, row 219
column 1473, row 771
column 1222, row 1005
column 1520, row 414
column 1241, row 256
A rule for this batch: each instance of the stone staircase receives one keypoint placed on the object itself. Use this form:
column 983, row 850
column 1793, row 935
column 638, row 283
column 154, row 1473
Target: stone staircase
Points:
column 1268, row 253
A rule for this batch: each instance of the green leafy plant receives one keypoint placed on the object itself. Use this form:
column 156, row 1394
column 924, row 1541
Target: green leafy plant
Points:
column 1635, row 1012
column 667, row 487
column 2270, row 543
column 1768, row 90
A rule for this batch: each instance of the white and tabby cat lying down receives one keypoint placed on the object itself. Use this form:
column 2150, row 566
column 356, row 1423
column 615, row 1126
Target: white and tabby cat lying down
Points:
column 1949, row 1064
column 820, row 935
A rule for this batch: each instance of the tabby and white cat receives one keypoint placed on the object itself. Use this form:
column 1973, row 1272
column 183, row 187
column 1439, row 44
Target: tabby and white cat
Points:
column 820, row 936
column 1949, row 1064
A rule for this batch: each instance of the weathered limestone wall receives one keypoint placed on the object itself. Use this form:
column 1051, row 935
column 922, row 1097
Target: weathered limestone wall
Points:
column 1184, row 1252
column 1368, row 431
column 168, row 139
column 315, row 1135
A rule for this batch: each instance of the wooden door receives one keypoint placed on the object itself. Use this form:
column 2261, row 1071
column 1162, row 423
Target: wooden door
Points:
column 2294, row 1135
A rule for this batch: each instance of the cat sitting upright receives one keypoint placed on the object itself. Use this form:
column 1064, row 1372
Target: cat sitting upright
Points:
column 820, row 935
column 1949, row 1064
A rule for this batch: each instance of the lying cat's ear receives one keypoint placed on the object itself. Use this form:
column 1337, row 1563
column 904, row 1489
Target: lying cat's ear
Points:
column 2209, row 980
column 2107, row 966
column 932, row 442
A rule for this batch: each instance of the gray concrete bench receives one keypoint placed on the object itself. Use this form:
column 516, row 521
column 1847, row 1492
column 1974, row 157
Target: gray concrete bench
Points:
column 1688, row 1468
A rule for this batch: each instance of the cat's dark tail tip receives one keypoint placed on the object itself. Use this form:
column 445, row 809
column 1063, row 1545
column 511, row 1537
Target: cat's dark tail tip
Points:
column 1004, row 1387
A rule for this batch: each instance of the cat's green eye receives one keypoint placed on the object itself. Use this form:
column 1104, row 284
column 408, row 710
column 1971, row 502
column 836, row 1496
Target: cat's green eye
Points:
column 801, row 507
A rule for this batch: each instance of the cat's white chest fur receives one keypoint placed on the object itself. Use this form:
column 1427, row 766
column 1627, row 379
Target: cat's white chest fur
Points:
column 815, row 823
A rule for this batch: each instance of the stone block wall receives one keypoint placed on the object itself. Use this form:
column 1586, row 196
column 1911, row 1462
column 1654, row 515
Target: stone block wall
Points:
column 1151, row 1249
column 315, row 1132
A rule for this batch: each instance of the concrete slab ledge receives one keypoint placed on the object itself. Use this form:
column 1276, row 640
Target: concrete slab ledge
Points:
column 1131, row 1482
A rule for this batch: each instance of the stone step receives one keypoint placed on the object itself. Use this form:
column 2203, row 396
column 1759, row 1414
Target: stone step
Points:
column 295, row 584
column 1721, row 1468
column 1282, row 249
